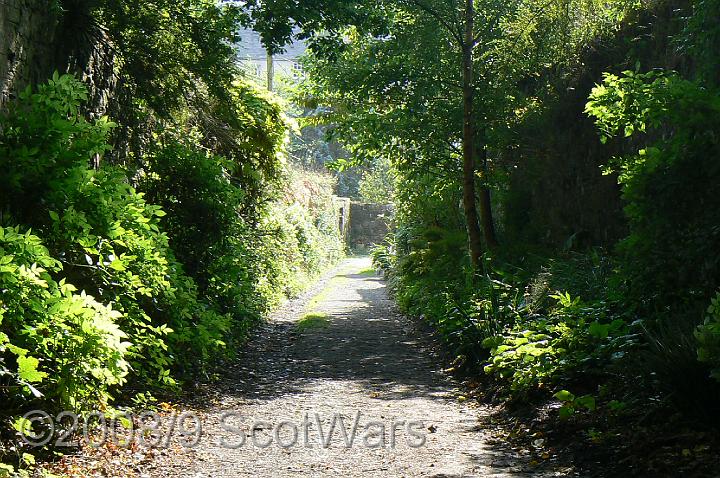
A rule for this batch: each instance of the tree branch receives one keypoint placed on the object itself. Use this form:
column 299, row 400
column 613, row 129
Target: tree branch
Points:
column 437, row 16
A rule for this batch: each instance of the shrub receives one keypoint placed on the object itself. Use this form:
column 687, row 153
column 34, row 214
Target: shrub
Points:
column 56, row 345
column 43, row 140
column 670, row 265
column 242, row 265
column 384, row 255
column 194, row 188
column 669, row 186
column 204, row 224
column 103, row 232
column 574, row 336
column 512, row 321
column 300, row 243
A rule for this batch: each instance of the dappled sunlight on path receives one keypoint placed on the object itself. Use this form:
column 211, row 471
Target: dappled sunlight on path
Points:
column 358, row 364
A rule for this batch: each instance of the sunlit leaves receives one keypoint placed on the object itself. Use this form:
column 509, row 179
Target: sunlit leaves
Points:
column 28, row 369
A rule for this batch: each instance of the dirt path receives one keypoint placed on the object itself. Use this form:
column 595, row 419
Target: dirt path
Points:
column 346, row 353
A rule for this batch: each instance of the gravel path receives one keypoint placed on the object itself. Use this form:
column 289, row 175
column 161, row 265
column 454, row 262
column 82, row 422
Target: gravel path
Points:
column 358, row 360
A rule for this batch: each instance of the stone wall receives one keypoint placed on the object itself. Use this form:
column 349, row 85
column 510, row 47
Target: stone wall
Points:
column 27, row 28
column 558, row 195
column 369, row 224
column 34, row 44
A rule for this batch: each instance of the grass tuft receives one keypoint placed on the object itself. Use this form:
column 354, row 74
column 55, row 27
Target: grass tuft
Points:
column 313, row 320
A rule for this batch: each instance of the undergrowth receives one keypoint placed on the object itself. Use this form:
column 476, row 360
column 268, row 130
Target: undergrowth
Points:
column 127, row 281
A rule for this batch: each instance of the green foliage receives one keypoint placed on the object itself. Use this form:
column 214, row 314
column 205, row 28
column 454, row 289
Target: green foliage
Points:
column 511, row 321
column 43, row 140
column 700, row 38
column 384, row 256
column 571, row 403
column 575, row 336
column 668, row 186
column 203, row 204
column 304, row 236
column 632, row 103
column 106, row 234
column 392, row 86
column 215, row 182
column 250, row 130
column 708, row 337
column 464, row 310
column 377, row 184
column 166, row 50
column 6, row 471
column 56, row 345
column 140, row 316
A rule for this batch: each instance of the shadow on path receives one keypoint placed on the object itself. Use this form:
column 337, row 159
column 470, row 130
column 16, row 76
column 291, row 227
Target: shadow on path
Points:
column 365, row 361
column 365, row 340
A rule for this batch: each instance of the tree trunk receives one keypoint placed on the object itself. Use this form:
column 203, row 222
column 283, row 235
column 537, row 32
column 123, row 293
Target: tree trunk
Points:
column 486, row 214
column 469, row 205
column 270, row 71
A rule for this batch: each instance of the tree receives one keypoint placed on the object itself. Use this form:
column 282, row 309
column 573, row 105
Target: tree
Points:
column 436, row 42
column 435, row 85
column 378, row 182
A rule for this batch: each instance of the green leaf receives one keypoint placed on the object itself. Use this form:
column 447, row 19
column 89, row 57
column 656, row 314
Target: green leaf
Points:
column 564, row 396
column 586, row 401
column 125, row 421
column 599, row 330
column 117, row 265
column 23, row 426
column 6, row 470
column 27, row 369
column 566, row 412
